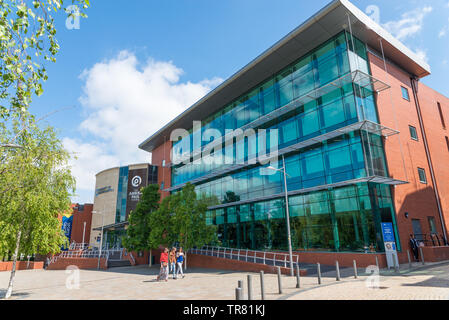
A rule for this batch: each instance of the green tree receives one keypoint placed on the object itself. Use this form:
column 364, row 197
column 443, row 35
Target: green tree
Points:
column 161, row 225
column 27, row 41
column 138, row 230
column 189, row 219
column 35, row 185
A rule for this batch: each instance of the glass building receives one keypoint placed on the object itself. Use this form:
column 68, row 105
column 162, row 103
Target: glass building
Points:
column 343, row 218
column 319, row 113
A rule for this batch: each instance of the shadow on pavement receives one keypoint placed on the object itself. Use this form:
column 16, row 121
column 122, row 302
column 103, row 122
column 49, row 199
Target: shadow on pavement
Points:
column 432, row 282
column 14, row 294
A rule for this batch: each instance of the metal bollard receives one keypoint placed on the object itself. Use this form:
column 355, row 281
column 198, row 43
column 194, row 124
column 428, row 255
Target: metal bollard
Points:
column 409, row 260
column 298, row 277
column 355, row 269
column 422, row 255
column 238, row 294
column 395, row 263
column 377, row 263
column 262, row 285
column 240, row 285
column 337, row 267
column 250, row 287
column 319, row 272
column 279, row 280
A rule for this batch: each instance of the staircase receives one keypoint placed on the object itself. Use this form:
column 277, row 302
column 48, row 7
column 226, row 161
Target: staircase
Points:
column 116, row 260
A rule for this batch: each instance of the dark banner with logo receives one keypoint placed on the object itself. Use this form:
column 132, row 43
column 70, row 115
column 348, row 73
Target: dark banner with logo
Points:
column 137, row 179
column 67, row 223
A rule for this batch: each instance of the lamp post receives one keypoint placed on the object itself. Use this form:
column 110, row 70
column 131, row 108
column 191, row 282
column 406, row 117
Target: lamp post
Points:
column 283, row 170
column 101, row 238
column 84, row 233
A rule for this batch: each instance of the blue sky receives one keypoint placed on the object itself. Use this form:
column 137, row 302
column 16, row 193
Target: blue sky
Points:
column 133, row 66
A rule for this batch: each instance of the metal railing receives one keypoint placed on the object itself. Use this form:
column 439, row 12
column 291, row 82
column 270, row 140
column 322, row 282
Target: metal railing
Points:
column 246, row 255
column 81, row 254
column 434, row 239
column 78, row 246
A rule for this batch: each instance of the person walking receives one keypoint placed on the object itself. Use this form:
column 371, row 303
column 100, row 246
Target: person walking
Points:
column 172, row 259
column 163, row 273
column 415, row 246
column 179, row 262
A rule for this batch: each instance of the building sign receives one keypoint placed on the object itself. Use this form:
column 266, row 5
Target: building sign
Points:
column 103, row 190
column 389, row 243
column 137, row 179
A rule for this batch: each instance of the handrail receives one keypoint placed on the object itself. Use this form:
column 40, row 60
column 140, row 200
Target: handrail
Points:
column 278, row 257
column 132, row 258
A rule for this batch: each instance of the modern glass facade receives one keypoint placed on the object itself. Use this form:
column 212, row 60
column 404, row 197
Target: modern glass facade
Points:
column 250, row 208
column 122, row 195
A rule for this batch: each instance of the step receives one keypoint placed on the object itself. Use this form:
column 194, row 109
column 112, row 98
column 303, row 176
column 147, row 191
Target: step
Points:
column 118, row 263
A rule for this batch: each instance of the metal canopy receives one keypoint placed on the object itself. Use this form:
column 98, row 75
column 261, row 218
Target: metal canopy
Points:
column 112, row 226
column 328, row 22
column 363, row 125
column 373, row 179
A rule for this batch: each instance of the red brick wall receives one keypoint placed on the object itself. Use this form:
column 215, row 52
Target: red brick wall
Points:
column 21, row 265
column 397, row 113
column 164, row 174
column 436, row 134
column 79, row 217
column 81, row 263
column 435, row 254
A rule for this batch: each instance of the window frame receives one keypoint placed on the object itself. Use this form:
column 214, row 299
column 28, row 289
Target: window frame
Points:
column 440, row 111
column 403, row 90
column 410, row 127
column 419, row 175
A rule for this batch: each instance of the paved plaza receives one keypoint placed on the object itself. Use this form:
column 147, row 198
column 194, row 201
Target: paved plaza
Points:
column 423, row 282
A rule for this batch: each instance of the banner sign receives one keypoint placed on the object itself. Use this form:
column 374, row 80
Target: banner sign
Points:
column 67, row 223
column 389, row 243
column 137, row 179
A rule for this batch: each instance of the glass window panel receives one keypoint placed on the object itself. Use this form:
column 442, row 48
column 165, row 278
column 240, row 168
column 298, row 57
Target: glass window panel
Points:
column 333, row 113
column 310, row 123
column 304, row 84
column 328, row 70
column 325, row 52
column 289, row 131
column 339, row 160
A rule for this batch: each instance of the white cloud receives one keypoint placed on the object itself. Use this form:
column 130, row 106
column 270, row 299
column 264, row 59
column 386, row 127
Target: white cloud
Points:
column 443, row 31
column 125, row 102
column 410, row 23
column 422, row 54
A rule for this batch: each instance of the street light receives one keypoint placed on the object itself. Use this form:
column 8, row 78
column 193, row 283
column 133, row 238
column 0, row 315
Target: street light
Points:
column 283, row 170
column 101, row 237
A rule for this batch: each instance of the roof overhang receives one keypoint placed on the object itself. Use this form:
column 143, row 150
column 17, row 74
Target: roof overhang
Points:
column 328, row 22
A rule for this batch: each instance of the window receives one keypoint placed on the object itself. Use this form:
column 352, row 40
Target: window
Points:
column 441, row 115
column 405, row 94
column 432, row 225
column 413, row 133
column 422, row 175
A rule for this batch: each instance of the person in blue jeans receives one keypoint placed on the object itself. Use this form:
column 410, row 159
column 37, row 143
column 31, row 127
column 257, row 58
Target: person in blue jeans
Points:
column 179, row 262
column 172, row 260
